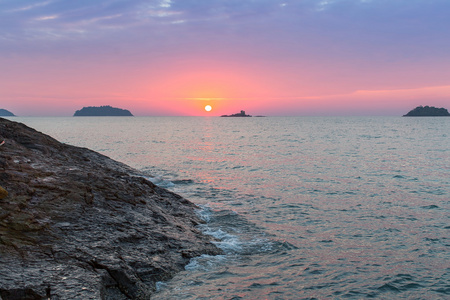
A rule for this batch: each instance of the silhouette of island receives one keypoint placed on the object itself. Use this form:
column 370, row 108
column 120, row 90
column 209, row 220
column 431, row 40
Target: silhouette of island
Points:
column 241, row 114
column 428, row 111
column 102, row 111
column 6, row 113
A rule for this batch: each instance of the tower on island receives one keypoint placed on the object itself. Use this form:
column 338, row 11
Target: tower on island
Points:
column 241, row 114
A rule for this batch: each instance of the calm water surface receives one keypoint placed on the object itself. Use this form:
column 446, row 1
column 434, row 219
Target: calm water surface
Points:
column 305, row 208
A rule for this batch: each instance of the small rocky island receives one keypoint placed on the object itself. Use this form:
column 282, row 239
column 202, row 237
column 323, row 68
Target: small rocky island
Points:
column 428, row 111
column 241, row 114
column 75, row 224
column 6, row 113
column 102, row 111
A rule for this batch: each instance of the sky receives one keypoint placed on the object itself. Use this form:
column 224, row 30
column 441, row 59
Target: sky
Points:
column 267, row 57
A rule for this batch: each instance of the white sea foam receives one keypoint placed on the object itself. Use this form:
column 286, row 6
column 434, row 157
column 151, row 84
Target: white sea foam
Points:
column 229, row 243
column 230, row 239
column 160, row 285
column 205, row 213
column 160, row 181
column 205, row 262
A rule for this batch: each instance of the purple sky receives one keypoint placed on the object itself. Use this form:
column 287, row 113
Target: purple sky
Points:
column 272, row 57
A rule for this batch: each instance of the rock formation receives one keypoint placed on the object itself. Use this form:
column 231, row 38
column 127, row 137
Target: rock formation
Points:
column 6, row 113
column 241, row 114
column 427, row 111
column 78, row 225
column 102, row 111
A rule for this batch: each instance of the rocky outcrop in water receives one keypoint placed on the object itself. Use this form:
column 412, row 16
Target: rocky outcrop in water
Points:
column 78, row 225
column 241, row 114
column 102, row 111
column 428, row 111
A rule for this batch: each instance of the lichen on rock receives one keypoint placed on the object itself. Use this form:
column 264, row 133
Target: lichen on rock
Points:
column 3, row 193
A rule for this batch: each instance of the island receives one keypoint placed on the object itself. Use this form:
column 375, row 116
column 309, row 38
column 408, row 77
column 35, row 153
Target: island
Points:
column 6, row 113
column 241, row 114
column 77, row 224
column 102, row 111
column 428, row 111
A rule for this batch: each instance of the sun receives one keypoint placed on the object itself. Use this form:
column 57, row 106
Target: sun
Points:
column 208, row 107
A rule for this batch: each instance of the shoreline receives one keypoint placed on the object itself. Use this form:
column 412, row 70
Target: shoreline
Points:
column 80, row 223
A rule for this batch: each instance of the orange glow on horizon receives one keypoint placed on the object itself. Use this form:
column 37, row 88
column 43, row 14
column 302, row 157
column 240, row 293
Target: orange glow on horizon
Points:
column 185, row 89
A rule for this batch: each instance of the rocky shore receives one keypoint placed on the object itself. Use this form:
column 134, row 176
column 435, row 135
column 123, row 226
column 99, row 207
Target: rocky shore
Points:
column 78, row 225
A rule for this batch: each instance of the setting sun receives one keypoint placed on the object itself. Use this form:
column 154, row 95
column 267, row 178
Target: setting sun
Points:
column 208, row 107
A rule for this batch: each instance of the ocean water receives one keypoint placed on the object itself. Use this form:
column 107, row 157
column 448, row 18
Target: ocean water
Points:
column 304, row 208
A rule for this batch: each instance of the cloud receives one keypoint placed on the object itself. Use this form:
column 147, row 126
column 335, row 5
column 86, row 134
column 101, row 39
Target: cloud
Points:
column 19, row 18
column 382, row 31
column 45, row 18
column 362, row 19
column 27, row 7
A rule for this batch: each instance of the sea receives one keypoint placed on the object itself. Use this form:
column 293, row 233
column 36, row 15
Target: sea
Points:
column 303, row 207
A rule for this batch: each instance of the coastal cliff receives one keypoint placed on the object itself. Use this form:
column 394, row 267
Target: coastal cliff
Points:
column 78, row 225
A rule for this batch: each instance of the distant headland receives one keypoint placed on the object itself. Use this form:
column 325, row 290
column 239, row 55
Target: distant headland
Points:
column 6, row 113
column 102, row 111
column 428, row 111
column 241, row 114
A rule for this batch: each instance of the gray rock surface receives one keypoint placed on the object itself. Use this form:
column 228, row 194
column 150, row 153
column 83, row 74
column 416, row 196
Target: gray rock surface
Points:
column 78, row 225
